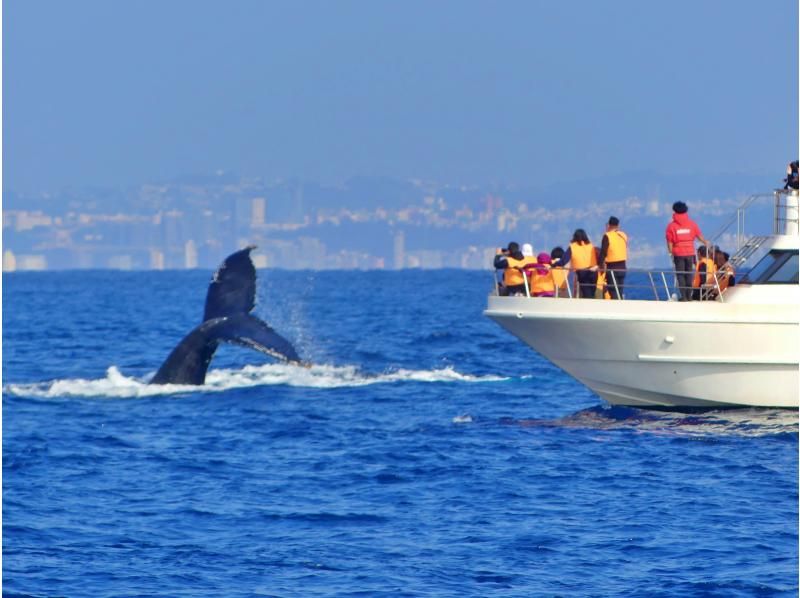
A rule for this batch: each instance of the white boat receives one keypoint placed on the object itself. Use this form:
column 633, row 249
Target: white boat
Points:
column 741, row 349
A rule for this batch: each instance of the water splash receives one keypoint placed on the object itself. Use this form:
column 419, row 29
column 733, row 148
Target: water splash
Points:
column 117, row 385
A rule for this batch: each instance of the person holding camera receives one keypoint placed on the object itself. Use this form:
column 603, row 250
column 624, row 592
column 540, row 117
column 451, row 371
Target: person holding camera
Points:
column 513, row 262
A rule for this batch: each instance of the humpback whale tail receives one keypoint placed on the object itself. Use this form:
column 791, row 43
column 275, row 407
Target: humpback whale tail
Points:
column 230, row 299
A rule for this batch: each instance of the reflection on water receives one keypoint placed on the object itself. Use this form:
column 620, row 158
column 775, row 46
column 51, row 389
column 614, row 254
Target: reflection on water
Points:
column 727, row 422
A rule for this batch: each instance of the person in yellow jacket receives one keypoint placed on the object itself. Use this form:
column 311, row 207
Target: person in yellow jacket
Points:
column 581, row 256
column 613, row 256
column 513, row 263
column 559, row 272
column 542, row 282
column 601, row 290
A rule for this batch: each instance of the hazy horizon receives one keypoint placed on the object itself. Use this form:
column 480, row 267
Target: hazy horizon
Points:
column 518, row 93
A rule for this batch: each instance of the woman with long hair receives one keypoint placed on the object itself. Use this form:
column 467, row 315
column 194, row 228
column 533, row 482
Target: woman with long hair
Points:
column 583, row 260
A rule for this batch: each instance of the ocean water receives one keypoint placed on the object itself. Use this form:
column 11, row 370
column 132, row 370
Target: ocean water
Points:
column 425, row 453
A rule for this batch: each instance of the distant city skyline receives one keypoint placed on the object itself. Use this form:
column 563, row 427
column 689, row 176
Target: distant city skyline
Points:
column 520, row 92
column 370, row 224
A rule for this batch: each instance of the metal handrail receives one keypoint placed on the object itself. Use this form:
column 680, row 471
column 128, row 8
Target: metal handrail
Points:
column 780, row 216
column 656, row 282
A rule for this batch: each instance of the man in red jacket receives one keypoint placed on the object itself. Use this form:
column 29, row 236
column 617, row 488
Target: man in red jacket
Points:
column 681, row 233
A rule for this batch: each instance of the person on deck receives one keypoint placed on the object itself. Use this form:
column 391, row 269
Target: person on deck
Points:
column 559, row 272
column 527, row 250
column 581, row 255
column 791, row 179
column 542, row 282
column 513, row 263
column 703, row 281
column 613, row 256
column 680, row 234
column 725, row 274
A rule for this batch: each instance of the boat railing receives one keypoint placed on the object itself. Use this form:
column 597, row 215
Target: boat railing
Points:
column 784, row 218
column 662, row 285
column 638, row 284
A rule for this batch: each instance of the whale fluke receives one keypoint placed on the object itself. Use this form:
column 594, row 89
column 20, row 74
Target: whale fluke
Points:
column 233, row 286
column 227, row 318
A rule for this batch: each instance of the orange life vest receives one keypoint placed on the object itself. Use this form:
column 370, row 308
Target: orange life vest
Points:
column 724, row 276
column 583, row 256
column 711, row 269
column 542, row 283
column 559, row 277
column 600, row 287
column 513, row 275
column 617, row 246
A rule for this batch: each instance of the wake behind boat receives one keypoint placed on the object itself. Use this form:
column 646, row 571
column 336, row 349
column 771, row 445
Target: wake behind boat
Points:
column 740, row 347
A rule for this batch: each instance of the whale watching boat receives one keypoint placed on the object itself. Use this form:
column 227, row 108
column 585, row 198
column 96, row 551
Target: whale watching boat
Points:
column 737, row 347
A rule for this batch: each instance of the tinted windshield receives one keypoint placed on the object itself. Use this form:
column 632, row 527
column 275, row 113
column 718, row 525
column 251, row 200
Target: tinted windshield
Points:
column 777, row 267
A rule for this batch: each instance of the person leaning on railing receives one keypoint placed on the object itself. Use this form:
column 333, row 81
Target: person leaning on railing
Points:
column 613, row 256
column 513, row 263
column 580, row 254
column 559, row 272
column 542, row 282
column 725, row 275
column 704, row 276
column 681, row 233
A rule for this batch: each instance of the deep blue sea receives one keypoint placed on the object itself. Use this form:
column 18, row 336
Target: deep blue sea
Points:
column 425, row 453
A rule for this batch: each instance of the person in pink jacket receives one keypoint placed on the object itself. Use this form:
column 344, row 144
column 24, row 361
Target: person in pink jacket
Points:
column 681, row 233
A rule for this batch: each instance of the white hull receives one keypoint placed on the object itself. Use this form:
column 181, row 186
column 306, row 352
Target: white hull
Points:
column 664, row 353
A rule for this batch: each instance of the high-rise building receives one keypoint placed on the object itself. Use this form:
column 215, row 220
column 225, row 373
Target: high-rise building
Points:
column 259, row 212
column 399, row 250
column 120, row 262
column 31, row 262
column 260, row 261
column 190, row 255
column 9, row 261
column 156, row 259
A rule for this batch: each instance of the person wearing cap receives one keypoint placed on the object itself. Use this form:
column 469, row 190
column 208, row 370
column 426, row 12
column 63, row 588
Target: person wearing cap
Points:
column 613, row 256
column 513, row 262
column 681, row 233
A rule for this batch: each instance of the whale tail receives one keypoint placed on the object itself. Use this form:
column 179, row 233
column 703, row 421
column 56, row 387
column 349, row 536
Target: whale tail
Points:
column 231, row 297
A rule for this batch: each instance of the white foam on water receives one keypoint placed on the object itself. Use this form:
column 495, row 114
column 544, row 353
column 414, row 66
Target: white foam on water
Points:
column 117, row 385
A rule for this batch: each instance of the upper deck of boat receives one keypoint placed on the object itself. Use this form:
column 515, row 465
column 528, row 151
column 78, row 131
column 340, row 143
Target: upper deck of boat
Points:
column 765, row 266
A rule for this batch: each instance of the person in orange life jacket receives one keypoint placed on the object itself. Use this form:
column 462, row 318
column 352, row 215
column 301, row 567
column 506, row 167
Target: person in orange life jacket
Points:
column 581, row 255
column 680, row 234
column 512, row 261
column 703, row 281
column 725, row 274
column 559, row 272
column 613, row 256
column 542, row 282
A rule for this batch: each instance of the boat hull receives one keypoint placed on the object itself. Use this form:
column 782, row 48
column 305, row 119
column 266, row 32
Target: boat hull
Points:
column 664, row 354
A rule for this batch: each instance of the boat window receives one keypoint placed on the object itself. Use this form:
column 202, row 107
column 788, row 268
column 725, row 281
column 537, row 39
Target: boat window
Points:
column 777, row 267
column 786, row 273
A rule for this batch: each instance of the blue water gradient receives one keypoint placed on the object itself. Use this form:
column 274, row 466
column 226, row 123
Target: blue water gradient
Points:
column 426, row 453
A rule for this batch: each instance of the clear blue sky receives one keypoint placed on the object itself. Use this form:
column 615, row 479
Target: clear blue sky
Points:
column 531, row 92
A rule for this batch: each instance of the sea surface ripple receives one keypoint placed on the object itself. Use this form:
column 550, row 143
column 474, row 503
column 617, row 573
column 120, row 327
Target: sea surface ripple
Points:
column 425, row 453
